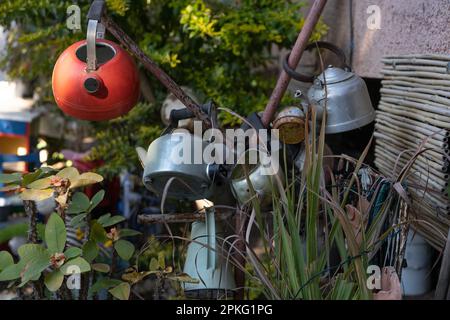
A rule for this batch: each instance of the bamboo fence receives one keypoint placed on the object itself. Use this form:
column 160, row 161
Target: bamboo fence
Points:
column 414, row 110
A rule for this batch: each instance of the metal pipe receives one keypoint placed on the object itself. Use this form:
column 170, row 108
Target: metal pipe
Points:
column 151, row 66
column 294, row 59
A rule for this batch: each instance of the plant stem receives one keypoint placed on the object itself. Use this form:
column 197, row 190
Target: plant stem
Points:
column 86, row 278
column 30, row 210
column 113, row 268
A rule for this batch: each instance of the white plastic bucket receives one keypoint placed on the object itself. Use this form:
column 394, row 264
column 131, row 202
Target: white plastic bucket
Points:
column 416, row 277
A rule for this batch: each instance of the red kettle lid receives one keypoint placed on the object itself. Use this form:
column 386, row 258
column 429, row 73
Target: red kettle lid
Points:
column 108, row 92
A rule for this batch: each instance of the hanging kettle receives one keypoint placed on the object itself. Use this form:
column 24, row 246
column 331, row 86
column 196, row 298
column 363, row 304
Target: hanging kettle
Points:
column 95, row 79
column 343, row 93
column 174, row 164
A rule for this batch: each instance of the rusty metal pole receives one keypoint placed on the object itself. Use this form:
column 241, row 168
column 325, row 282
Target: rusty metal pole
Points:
column 151, row 66
column 294, row 59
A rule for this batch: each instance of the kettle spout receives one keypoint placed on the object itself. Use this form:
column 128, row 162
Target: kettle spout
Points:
column 142, row 154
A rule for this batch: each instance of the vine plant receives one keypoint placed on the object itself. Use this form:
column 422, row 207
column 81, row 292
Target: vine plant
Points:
column 45, row 263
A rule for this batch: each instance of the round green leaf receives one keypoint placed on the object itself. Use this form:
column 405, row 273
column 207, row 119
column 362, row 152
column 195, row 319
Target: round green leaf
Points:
column 98, row 233
column 72, row 252
column 30, row 251
column 128, row 233
column 55, row 234
column 90, row 250
column 100, row 267
column 121, row 292
column 40, row 184
column 70, row 173
column 81, row 264
column 85, row 179
column 34, row 268
column 78, row 220
column 6, row 259
column 36, row 195
column 54, row 280
column 80, row 203
column 125, row 249
column 11, row 272
column 110, row 221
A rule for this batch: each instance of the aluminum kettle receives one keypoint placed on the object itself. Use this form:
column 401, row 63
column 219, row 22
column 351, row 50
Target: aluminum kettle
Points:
column 343, row 93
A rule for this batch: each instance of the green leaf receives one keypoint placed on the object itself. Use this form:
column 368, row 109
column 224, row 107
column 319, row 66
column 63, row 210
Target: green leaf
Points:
column 33, row 176
column 104, row 218
column 78, row 220
column 11, row 272
column 69, row 173
column 90, row 250
column 125, row 249
column 36, row 195
column 161, row 260
column 110, row 221
column 121, row 292
column 98, row 233
column 72, row 252
column 80, row 203
column 34, row 268
column 30, row 177
column 6, row 259
column 86, row 179
column 102, row 284
column 55, row 234
column 128, row 233
column 83, row 266
column 10, row 177
column 30, row 251
column 154, row 265
column 100, row 267
column 41, row 184
column 96, row 199
column 54, row 280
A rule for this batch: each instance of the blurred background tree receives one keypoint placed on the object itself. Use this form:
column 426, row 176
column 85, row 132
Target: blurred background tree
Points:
column 222, row 49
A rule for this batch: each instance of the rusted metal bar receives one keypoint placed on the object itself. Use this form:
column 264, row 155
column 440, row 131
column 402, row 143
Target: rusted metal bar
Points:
column 180, row 217
column 151, row 66
column 294, row 59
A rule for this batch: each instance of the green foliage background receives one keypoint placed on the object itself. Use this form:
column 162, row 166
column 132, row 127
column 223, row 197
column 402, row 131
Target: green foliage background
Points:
column 219, row 48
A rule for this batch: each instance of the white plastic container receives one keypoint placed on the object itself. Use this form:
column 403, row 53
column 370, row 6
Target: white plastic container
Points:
column 416, row 277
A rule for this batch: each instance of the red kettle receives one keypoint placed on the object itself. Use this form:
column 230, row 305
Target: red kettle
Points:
column 95, row 79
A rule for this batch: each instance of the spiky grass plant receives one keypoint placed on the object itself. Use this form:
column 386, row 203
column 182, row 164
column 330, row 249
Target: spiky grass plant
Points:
column 310, row 220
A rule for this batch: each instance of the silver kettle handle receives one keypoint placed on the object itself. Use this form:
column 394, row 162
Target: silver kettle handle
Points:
column 95, row 30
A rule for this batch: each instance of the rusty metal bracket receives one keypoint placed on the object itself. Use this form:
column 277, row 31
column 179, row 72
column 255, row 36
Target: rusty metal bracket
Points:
column 294, row 58
column 181, row 217
column 152, row 67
